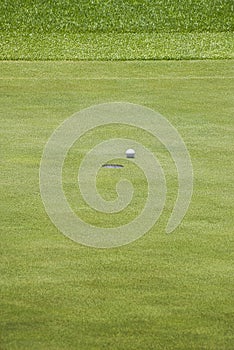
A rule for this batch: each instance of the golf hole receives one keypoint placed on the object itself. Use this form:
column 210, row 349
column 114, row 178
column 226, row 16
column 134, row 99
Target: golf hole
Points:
column 112, row 166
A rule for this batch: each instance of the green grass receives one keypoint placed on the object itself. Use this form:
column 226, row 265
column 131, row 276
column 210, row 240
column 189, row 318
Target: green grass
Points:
column 117, row 16
column 116, row 30
column 117, row 46
column 160, row 292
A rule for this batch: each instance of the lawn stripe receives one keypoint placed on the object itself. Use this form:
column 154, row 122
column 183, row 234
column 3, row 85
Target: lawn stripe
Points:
column 123, row 78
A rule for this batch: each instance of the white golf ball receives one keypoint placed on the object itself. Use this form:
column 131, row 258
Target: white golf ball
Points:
column 130, row 153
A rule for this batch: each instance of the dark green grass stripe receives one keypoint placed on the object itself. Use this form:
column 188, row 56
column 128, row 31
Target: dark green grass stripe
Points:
column 72, row 16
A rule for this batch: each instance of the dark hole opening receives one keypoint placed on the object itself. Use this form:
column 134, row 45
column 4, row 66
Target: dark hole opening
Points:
column 113, row 166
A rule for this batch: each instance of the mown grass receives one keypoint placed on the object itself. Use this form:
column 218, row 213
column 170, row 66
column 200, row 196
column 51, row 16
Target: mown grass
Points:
column 162, row 291
column 116, row 30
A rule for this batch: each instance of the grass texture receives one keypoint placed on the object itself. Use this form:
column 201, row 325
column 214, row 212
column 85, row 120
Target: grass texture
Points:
column 125, row 46
column 162, row 291
column 116, row 30
column 135, row 16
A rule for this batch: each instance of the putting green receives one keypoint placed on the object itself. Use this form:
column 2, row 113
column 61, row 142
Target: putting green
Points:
column 160, row 292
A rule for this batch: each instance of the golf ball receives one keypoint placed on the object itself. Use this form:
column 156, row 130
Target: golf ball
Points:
column 130, row 153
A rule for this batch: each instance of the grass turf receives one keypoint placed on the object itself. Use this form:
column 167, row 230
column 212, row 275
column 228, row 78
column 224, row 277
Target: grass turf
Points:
column 116, row 46
column 117, row 16
column 116, row 30
column 162, row 291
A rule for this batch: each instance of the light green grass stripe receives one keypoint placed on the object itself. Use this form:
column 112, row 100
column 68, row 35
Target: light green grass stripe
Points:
column 215, row 77
column 116, row 46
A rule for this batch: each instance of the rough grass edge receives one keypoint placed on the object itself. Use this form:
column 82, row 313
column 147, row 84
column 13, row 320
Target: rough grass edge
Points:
column 125, row 46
